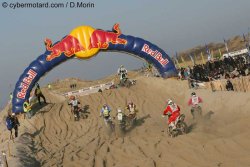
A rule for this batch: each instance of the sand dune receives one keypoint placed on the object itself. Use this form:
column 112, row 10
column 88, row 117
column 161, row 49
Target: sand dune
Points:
column 52, row 138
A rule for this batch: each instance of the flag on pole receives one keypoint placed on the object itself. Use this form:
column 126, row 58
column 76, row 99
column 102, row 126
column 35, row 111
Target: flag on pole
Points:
column 247, row 45
column 183, row 61
column 195, row 58
column 176, row 55
column 191, row 58
column 225, row 43
column 220, row 53
column 248, row 37
column 176, row 60
column 208, row 53
column 212, row 54
column 202, row 57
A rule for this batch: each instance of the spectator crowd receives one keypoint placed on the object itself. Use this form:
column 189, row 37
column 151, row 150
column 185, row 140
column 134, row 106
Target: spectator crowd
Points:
column 226, row 68
column 217, row 69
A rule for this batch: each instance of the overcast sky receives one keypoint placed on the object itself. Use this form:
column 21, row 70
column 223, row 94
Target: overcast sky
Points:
column 172, row 25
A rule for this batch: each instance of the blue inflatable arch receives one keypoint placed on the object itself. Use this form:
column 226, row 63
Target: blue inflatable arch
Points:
column 133, row 45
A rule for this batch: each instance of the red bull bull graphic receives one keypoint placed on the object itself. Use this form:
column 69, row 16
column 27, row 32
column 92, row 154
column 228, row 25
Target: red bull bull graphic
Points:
column 101, row 39
column 68, row 45
column 84, row 42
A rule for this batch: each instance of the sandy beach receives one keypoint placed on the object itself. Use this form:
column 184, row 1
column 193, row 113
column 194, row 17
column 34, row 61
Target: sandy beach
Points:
column 53, row 138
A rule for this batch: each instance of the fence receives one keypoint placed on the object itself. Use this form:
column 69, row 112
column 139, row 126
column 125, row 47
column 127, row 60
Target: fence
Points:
column 90, row 90
column 241, row 84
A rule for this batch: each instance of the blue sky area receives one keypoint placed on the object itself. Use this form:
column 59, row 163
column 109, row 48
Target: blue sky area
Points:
column 172, row 25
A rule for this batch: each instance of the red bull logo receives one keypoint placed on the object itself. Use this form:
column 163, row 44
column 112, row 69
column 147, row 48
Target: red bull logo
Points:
column 68, row 45
column 26, row 83
column 155, row 54
column 101, row 39
column 84, row 42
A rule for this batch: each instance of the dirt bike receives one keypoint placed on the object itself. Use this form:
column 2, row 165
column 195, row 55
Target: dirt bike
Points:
column 109, row 123
column 82, row 113
column 181, row 127
column 76, row 114
column 125, row 82
column 196, row 112
column 131, row 119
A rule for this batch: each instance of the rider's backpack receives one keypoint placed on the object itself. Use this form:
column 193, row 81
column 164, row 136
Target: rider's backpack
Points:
column 9, row 123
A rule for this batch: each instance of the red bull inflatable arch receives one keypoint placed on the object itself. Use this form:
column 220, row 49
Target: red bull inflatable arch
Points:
column 84, row 42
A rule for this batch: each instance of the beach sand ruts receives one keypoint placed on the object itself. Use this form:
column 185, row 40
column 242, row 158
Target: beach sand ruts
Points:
column 53, row 138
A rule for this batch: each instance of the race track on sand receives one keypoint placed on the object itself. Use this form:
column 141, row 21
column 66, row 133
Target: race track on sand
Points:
column 53, row 138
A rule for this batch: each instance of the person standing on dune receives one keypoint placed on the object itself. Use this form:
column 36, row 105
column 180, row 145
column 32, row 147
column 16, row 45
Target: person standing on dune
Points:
column 39, row 94
column 27, row 109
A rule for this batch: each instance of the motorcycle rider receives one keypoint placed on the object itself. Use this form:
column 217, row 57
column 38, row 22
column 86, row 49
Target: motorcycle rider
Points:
column 122, row 72
column 131, row 109
column 105, row 112
column 173, row 112
column 194, row 102
column 74, row 106
column 120, row 116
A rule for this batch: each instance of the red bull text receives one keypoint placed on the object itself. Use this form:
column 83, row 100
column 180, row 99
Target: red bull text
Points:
column 26, row 83
column 68, row 45
column 101, row 39
column 155, row 54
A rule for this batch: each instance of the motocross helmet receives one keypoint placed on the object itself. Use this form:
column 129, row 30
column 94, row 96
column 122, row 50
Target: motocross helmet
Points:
column 193, row 94
column 170, row 102
column 119, row 110
column 105, row 105
column 72, row 97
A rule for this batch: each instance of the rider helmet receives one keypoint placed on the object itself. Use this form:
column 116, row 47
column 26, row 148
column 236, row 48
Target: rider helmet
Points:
column 193, row 94
column 170, row 102
column 72, row 97
column 119, row 110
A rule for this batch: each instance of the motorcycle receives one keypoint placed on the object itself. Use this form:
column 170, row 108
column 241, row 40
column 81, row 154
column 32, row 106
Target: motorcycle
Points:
column 82, row 113
column 110, row 124
column 126, row 82
column 131, row 119
column 180, row 127
column 121, row 121
column 76, row 114
column 196, row 112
